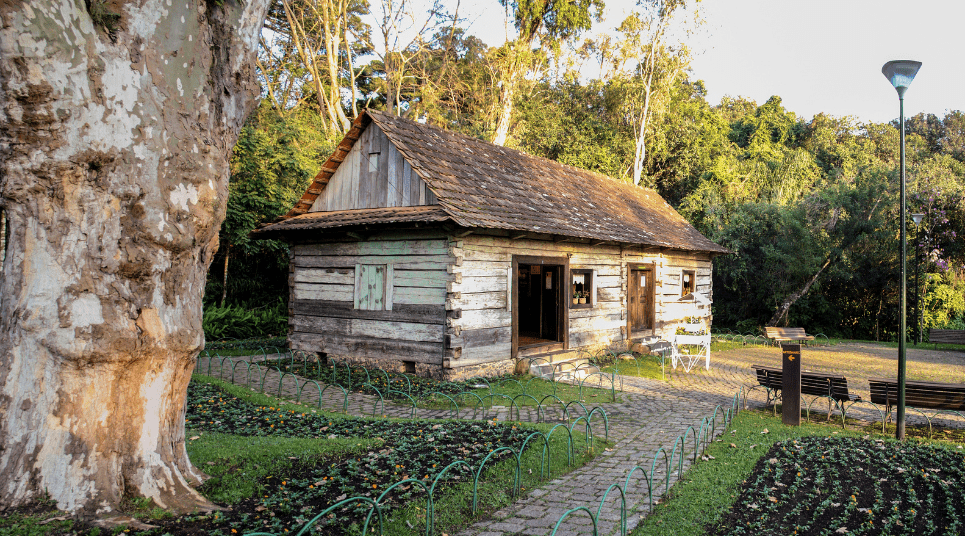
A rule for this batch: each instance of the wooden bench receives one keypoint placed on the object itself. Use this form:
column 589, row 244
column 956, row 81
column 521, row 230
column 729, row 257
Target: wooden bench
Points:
column 919, row 395
column 946, row 336
column 786, row 334
column 819, row 385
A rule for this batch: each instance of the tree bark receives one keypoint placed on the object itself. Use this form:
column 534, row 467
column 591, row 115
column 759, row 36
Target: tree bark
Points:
column 114, row 177
column 224, row 276
column 782, row 310
column 506, row 95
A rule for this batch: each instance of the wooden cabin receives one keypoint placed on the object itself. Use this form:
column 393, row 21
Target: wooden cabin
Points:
column 423, row 250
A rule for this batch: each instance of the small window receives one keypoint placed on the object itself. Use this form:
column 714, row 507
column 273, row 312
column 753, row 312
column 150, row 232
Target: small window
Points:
column 373, row 287
column 582, row 287
column 688, row 282
column 373, row 162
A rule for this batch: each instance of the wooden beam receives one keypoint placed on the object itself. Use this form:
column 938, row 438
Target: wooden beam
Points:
column 517, row 237
column 464, row 233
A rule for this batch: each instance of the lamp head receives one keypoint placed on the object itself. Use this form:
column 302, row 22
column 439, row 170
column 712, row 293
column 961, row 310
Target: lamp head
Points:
column 917, row 218
column 900, row 73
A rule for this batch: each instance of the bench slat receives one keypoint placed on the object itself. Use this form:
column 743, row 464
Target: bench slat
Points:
column 812, row 383
column 786, row 334
column 946, row 336
column 919, row 394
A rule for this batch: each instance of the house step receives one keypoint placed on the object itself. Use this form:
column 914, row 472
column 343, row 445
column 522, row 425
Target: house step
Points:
column 561, row 366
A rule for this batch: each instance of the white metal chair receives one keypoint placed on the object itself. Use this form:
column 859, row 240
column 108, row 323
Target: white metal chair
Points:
column 688, row 349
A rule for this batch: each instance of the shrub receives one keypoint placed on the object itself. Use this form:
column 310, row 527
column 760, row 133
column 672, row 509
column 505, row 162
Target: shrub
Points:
column 241, row 322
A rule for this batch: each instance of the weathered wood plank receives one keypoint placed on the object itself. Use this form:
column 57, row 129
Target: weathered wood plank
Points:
column 420, row 296
column 609, row 281
column 420, row 352
column 609, row 295
column 477, row 338
column 412, row 262
column 415, row 185
column 382, row 180
column 406, row 171
column 482, row 354
column 601, row 309
column 333, row 276
column 424, row 314
column 315, row 291
column 393, row 187
column 421, row 278
column 389, row 286
column 596, row 323
column 587, row 338
column 480, row 300
column 375, row 247
column 484, row 318
column 378, row 329
column 481, row 269
column 480, row 284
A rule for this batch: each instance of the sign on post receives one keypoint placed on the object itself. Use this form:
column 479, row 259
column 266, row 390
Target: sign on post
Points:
column 791, row 384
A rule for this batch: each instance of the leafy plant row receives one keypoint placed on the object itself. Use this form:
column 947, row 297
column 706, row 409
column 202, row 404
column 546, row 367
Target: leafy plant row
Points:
column 238, row 322
column 824, row 485
column 417, row 459
column 385, row 385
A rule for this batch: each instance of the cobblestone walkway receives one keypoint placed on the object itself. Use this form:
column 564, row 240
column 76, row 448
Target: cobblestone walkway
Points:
column 651, row 415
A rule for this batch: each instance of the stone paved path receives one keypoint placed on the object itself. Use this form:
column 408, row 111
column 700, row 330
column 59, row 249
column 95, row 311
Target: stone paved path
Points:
column 651, row 415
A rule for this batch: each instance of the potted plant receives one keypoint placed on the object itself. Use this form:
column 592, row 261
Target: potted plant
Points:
column 576, row 297
column 583, row 297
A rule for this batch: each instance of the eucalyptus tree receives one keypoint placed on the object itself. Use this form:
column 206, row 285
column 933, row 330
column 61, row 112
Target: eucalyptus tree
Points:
column 310, row 52
column 649, row 63
column 543, row 24
column 116, row 123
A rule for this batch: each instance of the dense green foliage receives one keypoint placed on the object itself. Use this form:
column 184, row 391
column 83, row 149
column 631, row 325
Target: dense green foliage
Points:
column 808, row 206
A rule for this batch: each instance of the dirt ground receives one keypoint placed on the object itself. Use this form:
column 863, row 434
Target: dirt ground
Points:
column 855, row 361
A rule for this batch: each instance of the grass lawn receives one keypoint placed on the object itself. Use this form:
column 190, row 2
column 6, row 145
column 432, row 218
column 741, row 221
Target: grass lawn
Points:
column 719, row 484
column 278, row 465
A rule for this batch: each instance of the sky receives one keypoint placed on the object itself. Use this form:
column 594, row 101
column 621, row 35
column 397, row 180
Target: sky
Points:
column 817, row 55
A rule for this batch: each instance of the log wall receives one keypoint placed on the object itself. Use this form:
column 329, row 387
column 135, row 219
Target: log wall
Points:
column 373, row 175
column 670, row 312
column 448, row 301
column 480, row 326
column 328, row 315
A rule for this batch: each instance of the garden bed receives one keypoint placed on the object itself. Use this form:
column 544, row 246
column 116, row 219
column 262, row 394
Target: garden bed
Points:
column 275, row 466
column 821, row 485
column 758, row 458
column 525, row 390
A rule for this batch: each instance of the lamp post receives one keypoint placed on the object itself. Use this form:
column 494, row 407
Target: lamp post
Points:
column 917, row 217
column 900, row 73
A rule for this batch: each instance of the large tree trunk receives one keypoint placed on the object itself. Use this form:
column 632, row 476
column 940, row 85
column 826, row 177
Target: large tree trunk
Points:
column 114, row 178
column 506, row 95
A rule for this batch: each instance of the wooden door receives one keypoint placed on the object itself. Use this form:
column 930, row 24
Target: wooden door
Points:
column 640, row 300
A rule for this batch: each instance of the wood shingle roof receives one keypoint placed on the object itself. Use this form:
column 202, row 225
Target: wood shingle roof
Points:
column 479, row 184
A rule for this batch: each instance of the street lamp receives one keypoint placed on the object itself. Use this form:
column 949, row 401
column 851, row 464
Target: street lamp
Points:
column 900, row 73
column 917, row 219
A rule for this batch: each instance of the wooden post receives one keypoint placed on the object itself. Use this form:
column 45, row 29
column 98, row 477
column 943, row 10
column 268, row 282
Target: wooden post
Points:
column 791, row 384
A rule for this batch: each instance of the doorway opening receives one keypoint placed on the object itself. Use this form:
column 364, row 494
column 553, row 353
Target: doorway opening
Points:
column 540, row 304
